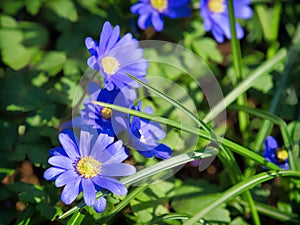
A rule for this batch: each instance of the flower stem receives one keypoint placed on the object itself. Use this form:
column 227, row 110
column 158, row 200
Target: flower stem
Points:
column 238, row 70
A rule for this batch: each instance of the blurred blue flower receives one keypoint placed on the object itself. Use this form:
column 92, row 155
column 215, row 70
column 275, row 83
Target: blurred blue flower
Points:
column 114, row 57
column 143, row 135
column 88, row 166
column 151, row 12
column 274, row 154
column 216, row 18
column 100, row 117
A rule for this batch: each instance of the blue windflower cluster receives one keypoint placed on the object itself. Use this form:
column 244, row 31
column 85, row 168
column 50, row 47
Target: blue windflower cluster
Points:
column 95, row 161
column 213, row 12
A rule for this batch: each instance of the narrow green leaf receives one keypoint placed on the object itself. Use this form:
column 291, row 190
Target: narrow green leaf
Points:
column 173, row 102
column 76, row 218
column 272, row 212
column 246, row 84
column 240, row 188
column 201, row 133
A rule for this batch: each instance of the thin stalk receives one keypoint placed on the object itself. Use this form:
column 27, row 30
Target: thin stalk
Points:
column 238, row 69
column 201, row 133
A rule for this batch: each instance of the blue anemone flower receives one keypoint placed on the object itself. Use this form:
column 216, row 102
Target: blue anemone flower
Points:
column 143, row 135
column 114, row 57
column 88, row 165
column 152, row 12
column 99, row 117
column 274, row 154
column 216, row 19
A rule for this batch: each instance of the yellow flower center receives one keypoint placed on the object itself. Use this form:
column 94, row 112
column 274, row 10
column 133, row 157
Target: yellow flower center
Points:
column 216, row 6
column 159, row 5
column 106, row 113
column 89, row 167
column 282, row 155
column 110, row 65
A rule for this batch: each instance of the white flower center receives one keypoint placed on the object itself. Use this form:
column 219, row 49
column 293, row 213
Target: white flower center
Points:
column 159, row 5
column 110, row 65
column 216, row 6
column 142, row 139
column 88, row 167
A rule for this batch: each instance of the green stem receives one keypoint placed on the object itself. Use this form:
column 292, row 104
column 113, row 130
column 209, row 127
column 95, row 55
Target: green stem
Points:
column 272, row 212
column 238, row 69
column 201, row 133
column 240, row 188
column 236, row 176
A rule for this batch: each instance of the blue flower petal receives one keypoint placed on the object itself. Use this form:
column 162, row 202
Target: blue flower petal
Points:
column 117, row 170
column 157, row 21
column 104, row 37
column 85, row 140
column 101, row 143
column 71, row 191
column 242, row 10
column 61, row 161
column 111, row 184
column 52, row 173
column 115, row 35
column 70, row 143
column 67, row 177
column 144, row 21
column 115, row 153
column 89, row 192
column 100, row 205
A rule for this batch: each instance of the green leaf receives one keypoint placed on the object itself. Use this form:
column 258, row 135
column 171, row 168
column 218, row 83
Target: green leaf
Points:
column 202, row 193
column 11, row 7
column 17, row 56
column 76, row 218
column 48, row 211
column 152, row 202
column 264, row 83
column 27, row 192
column 206, row 48
column 33, row 6
column 52, row 62
column 7, row 21
column 63, row 8
column 14, row 107
column 34, row 34
column 239, row 221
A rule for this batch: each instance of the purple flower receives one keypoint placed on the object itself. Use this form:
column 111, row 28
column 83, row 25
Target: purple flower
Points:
column 88, row 165
column 274, row 154
column 151, row 12
column 99, row 117
column 143, row 135
column 216, row 18
column 114, row 57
